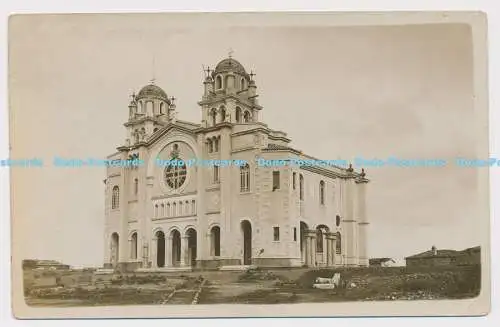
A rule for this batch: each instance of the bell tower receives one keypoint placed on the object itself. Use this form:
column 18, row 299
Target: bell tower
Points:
column 149, row 110
column 230, row 95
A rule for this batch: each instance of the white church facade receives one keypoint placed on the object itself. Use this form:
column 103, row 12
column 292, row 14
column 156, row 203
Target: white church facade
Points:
column 208, row 217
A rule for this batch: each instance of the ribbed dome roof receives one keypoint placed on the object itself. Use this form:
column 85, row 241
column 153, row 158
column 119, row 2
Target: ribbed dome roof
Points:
column 152, row 90
column 229, row 64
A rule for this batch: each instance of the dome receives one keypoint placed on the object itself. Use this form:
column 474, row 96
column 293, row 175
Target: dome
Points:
column 228, row 65
column 152, row 90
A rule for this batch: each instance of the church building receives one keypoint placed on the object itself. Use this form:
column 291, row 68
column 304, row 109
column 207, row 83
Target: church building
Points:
column 183, row 217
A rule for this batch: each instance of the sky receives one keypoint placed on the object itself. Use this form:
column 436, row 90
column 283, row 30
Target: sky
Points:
column 339, row 92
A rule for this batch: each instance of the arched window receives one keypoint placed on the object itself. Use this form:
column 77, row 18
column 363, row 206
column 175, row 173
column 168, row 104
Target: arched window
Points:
column 174, row 209
column 137, row 136
column 218, row 82
column 162, row 108
column 222, row 115
column 246, row 117
column 162, row 213
column 141, row 107
column 155, row 129
column 319, row 240
column 238, row 114
column 301, row 187
column 216, row 174
column 322, row 192
column 210, row 146
column 216, row 144
column 168, row 214
column 213, row 116
column 337, row 220
column 136, row 186
column 156, row 210
column 149, row 107
column 294, row 177
column 193, row 207
column 133, row 245
column 115, row 198
column 338, row 244
column 215, row 240
column 180, row 209
column 186, row 208
column 143, row 134
column 243, row 84
column 245, row 178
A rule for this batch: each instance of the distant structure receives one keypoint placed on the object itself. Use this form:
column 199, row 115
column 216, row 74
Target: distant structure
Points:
column 44, row 264
column 381, row 262
column 435, row 257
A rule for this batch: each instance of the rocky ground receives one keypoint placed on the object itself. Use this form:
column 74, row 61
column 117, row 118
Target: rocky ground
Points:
column 256, row 286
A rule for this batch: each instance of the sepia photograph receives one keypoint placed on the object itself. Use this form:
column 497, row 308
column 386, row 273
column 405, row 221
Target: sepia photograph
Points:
column 299, row 164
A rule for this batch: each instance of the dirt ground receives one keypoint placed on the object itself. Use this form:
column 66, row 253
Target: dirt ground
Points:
column 256, row 286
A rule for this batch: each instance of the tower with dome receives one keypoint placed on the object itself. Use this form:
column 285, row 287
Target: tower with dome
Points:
column 182, row 217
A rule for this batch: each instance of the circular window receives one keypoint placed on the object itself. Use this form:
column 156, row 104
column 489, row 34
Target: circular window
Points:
column 175, row 176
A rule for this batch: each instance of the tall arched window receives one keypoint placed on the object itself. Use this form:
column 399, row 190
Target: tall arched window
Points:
column 222, row 115
column 294, row 177
column 338, row 244
column 238, row 114
column 301, row 187
column 162, row 108
column 337, row 221
column 193, row 207
column 210, row 146
column 216, row 144
column 174, row 209
column 319, row 240
column 136, row 186
column 322, row 192
column 243, row 84
column 213, row 116
column 215, row 176
column 246, row 117
column 168, row 214
column 245, row 178
column 187, row 208
column 141, row 107
column 133, row 245
column 115, row 198
column 218, row 82
column 162, row 213
column 156, row 210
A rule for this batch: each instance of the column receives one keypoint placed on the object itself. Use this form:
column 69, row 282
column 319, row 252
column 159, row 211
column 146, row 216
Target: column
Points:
column 202, row 226
column 154, row 246
column 328, row 250
column 184, row 249
column 168, row 252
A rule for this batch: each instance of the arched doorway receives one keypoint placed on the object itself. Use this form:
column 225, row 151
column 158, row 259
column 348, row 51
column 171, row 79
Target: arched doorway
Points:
column 115, row 248
column 246, row 230
column 160, row 249
column 303, row 230
column 215, row 240
column 321, row 245
column 176, row 247
column 191, row 236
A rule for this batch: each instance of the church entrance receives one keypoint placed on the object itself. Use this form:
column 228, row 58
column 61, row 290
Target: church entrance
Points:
column 191, row 235
column 160, row 249
column 176, row 247
column 246, row 229
column 303, row 244
column 115, row 246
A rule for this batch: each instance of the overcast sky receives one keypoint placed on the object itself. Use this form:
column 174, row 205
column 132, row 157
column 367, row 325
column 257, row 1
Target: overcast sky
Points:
column 339, row 92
